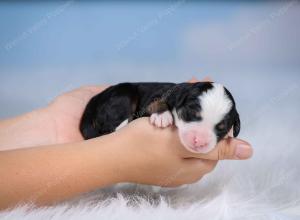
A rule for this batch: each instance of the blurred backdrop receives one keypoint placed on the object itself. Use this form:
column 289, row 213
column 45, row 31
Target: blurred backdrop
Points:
column 50, row 47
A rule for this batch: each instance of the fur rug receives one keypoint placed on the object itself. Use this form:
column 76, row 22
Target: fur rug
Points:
column 265, row 187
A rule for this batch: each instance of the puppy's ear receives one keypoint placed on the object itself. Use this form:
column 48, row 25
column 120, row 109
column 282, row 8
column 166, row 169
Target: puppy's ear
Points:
column 178, row 96
column 236, row 125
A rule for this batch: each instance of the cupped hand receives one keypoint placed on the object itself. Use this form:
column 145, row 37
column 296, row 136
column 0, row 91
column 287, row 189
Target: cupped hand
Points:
column 157, row 157
column 66, row 111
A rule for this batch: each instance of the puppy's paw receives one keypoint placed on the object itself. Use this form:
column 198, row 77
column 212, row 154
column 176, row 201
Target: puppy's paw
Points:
column 161, row 120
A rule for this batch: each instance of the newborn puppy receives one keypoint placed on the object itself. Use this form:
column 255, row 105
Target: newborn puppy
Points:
column 203, row 112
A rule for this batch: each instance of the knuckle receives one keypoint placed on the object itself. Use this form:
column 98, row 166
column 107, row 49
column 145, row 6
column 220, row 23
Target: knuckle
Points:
column 225, row 151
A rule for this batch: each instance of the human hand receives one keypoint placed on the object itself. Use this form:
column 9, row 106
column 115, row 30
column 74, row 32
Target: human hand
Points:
column 56, row 123
column 156, row 156
column 66, row 111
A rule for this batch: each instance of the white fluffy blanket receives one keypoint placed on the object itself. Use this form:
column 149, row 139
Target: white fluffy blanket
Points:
column 265, row 187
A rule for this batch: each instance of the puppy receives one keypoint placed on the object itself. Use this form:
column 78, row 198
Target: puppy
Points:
column 203, row 112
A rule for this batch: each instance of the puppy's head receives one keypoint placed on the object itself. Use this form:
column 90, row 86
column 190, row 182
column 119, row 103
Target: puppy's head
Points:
column 204, row 113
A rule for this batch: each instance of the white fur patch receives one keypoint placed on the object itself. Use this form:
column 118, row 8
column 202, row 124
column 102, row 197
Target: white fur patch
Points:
column 123, row 124
column 215, row 104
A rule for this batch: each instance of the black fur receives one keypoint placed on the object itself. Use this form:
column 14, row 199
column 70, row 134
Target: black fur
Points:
column 110, row 108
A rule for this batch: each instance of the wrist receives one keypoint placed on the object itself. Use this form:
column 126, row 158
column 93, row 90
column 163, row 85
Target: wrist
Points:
column 127, row 155
column 30, row 129
column 113, row 156
column 133, row 152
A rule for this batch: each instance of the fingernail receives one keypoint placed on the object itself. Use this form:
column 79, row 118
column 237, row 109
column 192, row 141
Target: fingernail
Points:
column 243, row 151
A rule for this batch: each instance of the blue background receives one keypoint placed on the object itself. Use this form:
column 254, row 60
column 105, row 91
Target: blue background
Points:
column 47, row 48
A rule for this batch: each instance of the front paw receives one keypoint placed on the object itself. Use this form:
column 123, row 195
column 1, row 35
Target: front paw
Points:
column 161, row 120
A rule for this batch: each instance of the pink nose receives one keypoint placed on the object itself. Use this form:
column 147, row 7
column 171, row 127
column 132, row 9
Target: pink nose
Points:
column 200, row 142
column 197, row 139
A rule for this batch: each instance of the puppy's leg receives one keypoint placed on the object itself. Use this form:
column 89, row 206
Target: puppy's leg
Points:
column 162, row 120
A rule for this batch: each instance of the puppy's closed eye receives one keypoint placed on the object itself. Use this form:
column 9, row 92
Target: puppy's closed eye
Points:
column 221, row 126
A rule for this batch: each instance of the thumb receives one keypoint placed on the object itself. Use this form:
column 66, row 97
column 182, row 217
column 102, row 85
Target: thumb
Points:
column 228, row 148
column 235, row 149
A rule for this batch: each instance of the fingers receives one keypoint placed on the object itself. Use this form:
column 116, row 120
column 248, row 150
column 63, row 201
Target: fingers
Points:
column 193, row 80
column 205, row 79
column 229, row 149
column 94, row 89
column 86, row 92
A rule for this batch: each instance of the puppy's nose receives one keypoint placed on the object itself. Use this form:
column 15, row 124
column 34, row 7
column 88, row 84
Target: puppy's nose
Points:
column 197, row 141
column 200, row 141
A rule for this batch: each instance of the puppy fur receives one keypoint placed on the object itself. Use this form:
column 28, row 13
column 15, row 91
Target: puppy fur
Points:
column 203, row 112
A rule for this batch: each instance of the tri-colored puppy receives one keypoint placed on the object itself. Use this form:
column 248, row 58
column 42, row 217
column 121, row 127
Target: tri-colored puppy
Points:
column 203, row 112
